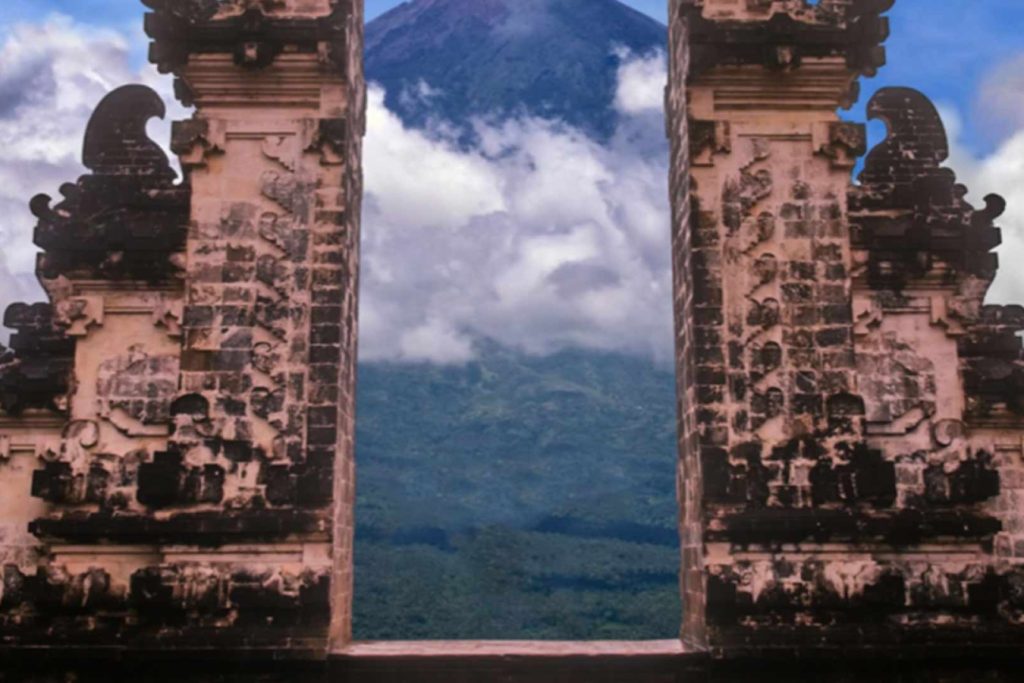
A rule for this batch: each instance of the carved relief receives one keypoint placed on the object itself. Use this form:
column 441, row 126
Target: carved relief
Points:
column 781, row 34
column 897, row 383
column 36, row 371
column 908, row 213
column 135, row 391
column 128, row 217
column 77, row 315
column 253, row 32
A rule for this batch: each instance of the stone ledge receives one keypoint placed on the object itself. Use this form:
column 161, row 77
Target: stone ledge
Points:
column 513, row 649
column 165, row 666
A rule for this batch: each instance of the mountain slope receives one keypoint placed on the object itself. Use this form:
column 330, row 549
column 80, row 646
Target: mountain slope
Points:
column 455, row 59
column 517, row 497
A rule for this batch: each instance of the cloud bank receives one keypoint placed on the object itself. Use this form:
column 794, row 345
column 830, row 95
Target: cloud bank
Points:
column 1002, row 173
column 538, row 237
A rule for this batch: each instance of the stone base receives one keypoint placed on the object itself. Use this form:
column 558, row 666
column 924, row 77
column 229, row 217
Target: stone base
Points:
column 513, row 663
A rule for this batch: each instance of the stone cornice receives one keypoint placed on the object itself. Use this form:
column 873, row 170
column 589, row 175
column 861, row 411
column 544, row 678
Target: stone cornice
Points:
column 253, row 34
column 781, row 33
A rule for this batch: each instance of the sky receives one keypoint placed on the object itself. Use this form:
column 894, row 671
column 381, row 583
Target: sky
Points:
column 547, row 268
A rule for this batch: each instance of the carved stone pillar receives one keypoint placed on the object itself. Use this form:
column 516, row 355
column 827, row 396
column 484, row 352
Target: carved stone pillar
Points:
column 177, row 423
column 851, row 412
column 269, row 333
column 769, row 391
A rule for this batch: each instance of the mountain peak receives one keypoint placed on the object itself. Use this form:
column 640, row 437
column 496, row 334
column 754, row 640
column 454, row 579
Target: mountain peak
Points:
column 550, row 58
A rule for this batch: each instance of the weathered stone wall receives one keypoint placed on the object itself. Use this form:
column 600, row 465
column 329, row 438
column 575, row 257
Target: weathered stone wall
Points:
column 178, row 422
column 859, row 426
column 685, row 244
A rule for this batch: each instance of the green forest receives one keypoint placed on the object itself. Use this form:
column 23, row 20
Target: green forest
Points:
column 517, row 497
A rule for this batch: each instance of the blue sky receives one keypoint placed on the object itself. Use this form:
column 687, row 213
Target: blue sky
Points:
column 945, row 48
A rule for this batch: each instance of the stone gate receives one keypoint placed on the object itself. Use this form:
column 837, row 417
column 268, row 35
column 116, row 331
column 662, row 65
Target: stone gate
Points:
column 176, row 435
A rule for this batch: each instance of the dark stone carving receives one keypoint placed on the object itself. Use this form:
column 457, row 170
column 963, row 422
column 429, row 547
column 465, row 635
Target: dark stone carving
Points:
column 172, row 595
column 57, row 483
column 741, row 480
column 908, row 212
column 35, row 371
column 332, row 134
column 173, row 591
column 992, row 363
column 846, row 141
column 973, row 481
column 191, row 11
column 254, row 37
column 209, row 529
column 709, row 137
column 185, row 134
column 167, row 481
column 854, row 30
column 127, row 217
column 898, row 528
column 308, row 485
column 866, row 478
column 780, row 604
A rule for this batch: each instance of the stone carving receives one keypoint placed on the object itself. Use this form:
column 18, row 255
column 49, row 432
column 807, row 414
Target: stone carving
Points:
column 135, row 391
column 992, row 358
column 842, row 142
column 79, row 314
column 780, row 34
column 254, row 32
column 36, row 370
column 128, row 217
column 908, row 213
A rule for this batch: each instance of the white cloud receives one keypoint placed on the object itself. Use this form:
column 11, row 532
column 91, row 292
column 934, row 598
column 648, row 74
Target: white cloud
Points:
column 419, row 183
column 1002, row 173
column 641, row 83
column 435, row 342
column 539, row 237
column 52, row 75
column 1001, row 98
